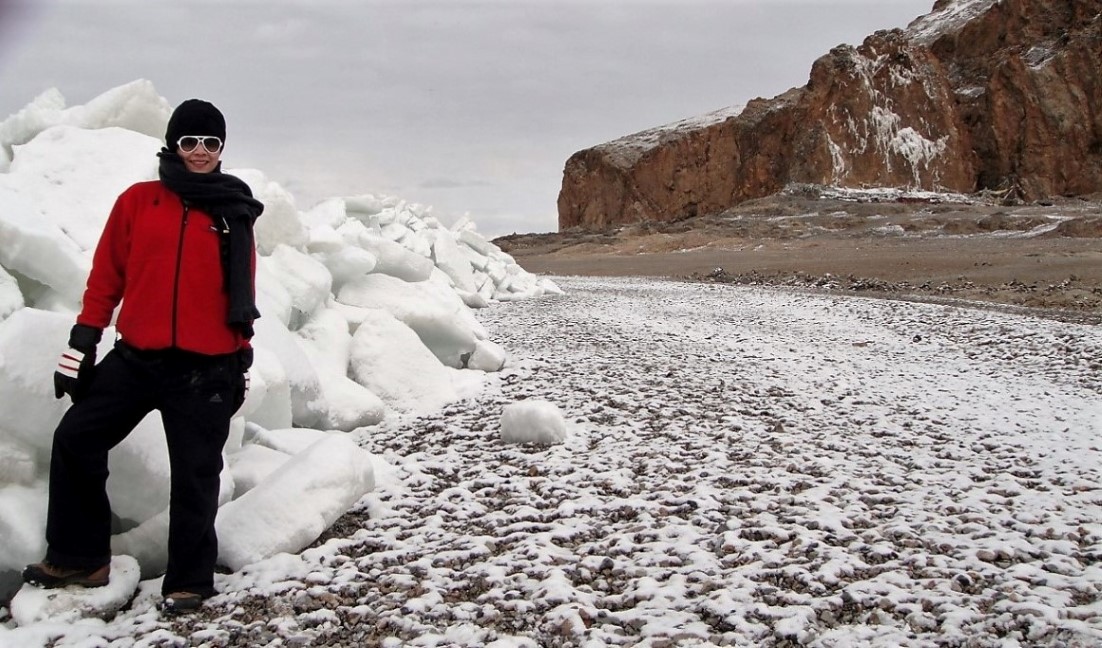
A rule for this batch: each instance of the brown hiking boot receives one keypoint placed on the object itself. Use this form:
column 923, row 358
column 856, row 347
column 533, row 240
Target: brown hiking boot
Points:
column 179, row 602
column 49, row 576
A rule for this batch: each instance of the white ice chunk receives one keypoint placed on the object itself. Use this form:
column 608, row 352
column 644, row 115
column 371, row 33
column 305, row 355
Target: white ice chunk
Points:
column 272, row 299
column 434, row 311
column 418, row 240
column 475, row 241
column 280, row 223
column 452, row 262
column 37, row 249
column 329, row 213
column 487, row 356
column 138, row 484
column 306, row 279
column 326, row 340
column 389, row 359
column 135, row 106
column 290, row 441
column 397, row 261
column 147, row 543
column 42, row 112
column 22, row 527
column 61, row 173
column 139, row 480
column 268, row 402
column 324, row 238
column 26, row 387
column 473, row 299
column 11, row 299
column 252, row 464
column 550, row 287
column 66, row 605
column 349, row 405
column 343, row 261
column 395, row 232
column 18, row 463
column 296, row 503
column 367, row 204
column 349, row 263
column 302, row 379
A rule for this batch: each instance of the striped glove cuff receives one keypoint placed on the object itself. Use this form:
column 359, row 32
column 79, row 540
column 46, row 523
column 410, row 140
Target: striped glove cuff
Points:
column 69, row 364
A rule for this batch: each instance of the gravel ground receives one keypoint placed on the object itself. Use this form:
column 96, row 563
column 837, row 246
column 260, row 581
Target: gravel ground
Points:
column 746, row 467
column 1045, row 257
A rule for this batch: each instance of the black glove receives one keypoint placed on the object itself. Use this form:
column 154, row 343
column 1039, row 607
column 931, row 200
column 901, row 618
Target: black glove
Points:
column 75, row 368
column 245, row 358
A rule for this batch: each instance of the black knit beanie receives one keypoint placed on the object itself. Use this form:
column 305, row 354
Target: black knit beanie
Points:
column 194, row 117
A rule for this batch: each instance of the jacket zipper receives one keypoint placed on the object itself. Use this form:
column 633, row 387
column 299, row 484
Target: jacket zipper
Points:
column 176, row 280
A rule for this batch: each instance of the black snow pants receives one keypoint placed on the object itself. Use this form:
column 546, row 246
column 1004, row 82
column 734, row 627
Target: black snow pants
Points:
column 196, row 396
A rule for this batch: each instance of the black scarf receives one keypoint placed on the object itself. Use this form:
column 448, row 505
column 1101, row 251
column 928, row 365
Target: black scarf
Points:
column 230, row 201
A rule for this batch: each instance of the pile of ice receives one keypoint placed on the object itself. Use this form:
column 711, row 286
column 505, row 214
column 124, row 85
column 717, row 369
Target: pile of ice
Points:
column 367, row 313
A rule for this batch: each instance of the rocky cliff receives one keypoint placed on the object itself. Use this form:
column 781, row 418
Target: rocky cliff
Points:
column 1003, row 95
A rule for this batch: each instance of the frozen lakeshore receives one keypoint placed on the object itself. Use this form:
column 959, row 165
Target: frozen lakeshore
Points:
column 744, row 467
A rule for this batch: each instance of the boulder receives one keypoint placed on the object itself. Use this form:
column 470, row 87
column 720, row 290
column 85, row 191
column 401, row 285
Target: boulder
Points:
column 976, row 95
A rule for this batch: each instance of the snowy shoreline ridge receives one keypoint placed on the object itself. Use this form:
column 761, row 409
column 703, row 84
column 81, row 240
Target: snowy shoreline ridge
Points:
column 367, row 315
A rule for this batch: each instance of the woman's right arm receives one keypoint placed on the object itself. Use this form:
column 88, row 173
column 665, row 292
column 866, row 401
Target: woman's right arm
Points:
column 107, row 280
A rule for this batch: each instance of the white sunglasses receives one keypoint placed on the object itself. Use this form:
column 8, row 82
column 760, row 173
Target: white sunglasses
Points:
column 189, row 143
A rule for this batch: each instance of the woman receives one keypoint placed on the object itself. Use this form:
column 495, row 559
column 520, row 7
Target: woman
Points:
column 179, row 255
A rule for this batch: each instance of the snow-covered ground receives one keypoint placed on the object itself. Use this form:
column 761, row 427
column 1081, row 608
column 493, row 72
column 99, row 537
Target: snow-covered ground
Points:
column 743, row 467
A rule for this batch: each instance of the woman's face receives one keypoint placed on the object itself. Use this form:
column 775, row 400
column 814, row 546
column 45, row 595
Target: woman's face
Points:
column 199, row 159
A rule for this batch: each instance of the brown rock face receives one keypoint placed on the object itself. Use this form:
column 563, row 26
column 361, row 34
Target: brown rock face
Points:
column 978, row 94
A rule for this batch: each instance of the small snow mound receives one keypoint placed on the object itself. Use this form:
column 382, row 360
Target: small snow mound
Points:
column 34, row 604
column 533, row 421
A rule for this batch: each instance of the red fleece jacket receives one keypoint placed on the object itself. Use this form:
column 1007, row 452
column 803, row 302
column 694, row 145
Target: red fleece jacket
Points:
column 162, row 261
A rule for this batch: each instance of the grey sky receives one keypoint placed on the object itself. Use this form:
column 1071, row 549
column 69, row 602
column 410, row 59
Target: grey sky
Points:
column 467, row 106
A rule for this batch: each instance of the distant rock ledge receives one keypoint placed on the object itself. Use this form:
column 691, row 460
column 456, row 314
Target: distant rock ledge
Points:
column 977, row 95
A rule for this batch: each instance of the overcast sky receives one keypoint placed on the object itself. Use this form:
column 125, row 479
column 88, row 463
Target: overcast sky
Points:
column 466, row 106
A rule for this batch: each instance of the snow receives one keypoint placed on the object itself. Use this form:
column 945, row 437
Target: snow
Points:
column 928, row 28
column 35, row 605
column 916, row 149
column 442, row 321
column 304, row 496
column 487, row 356
column 881, row 194
column 751, row 467
column 533, row 421
column 135, row 106
column 388, row 358
column 628, row 149
column 760, row 465
column 323, row 368
column 884, row 131
column 837, row 160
